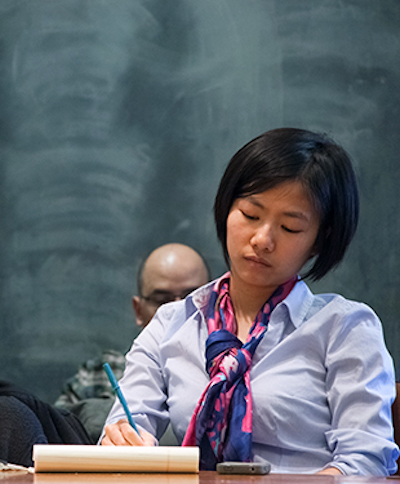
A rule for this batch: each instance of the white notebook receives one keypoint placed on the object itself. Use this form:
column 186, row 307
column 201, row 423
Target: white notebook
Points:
column 97, row 458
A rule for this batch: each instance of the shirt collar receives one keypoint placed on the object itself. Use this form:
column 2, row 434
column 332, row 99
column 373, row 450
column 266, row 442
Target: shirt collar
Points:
column 200, row 297
column 298, row 303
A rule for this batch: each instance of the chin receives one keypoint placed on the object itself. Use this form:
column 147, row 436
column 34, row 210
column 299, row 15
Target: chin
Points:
column 259, row 281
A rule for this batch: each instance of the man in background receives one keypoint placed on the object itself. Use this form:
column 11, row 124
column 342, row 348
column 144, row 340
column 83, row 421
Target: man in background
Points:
column 169, row 273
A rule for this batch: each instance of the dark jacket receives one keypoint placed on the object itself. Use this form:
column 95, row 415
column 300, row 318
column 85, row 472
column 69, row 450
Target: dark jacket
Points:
column 25, row 420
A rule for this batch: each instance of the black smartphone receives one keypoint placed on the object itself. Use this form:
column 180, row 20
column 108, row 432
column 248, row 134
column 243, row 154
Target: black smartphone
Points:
column 243, row 468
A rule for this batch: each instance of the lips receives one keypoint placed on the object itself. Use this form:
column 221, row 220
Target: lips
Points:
column 257, row 260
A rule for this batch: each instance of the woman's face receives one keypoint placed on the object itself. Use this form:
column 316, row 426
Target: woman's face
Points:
column 271, row 235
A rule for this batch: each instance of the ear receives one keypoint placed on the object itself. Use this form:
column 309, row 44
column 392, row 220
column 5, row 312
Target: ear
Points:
column 137, row 307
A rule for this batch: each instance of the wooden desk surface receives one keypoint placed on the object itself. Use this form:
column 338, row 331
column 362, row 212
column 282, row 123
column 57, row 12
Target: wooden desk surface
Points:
column 204, row 477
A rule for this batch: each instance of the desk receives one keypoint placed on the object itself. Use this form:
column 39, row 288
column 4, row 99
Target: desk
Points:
column 205, row 477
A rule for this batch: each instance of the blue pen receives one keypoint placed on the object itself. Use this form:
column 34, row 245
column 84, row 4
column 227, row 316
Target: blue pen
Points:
column 116, row 389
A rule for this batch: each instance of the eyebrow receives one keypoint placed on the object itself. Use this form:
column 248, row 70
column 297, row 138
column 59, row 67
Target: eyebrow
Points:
column 292, row 214
column 299, row 215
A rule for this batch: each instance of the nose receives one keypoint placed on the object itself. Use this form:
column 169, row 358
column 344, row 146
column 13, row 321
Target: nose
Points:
column 263, row 238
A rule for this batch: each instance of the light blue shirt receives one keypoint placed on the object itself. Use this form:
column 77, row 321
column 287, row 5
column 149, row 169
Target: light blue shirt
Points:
column 322, row 382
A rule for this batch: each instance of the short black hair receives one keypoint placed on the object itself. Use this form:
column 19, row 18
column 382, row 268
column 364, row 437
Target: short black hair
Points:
column 321, row 165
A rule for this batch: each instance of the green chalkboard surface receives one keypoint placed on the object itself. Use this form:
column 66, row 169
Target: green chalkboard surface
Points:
column 116, row 121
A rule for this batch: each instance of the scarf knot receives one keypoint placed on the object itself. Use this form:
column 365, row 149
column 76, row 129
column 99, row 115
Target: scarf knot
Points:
column 226, row 354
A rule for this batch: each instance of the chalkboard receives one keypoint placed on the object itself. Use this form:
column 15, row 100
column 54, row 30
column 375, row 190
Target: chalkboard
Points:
column 117, row 119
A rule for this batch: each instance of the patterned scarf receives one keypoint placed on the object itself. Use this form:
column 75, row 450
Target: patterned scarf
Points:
column 221, row 424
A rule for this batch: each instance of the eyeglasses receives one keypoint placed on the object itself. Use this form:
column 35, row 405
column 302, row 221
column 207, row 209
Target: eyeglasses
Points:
column 158, row 297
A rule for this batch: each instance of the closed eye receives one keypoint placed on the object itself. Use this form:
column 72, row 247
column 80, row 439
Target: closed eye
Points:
column 291, row 231
column 250, row 217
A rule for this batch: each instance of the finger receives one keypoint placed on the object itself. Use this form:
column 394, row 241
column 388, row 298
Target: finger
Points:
column 106, row 441
column 114, row 435
column 147, row 438
column 130, row 435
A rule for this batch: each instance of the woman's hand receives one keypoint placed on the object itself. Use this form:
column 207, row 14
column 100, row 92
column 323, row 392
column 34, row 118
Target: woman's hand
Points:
column 121, row 433
column 331, row 471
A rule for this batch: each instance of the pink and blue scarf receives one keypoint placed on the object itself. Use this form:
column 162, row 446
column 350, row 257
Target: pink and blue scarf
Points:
column 221, row 424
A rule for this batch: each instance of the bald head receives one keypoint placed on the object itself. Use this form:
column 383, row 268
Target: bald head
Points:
column 169, row 273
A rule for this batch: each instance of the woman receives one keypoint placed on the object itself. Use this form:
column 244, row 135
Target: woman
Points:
column 301, row 380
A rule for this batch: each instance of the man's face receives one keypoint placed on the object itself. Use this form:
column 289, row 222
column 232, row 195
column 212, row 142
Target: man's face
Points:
column 169, row 279
column 162, row 293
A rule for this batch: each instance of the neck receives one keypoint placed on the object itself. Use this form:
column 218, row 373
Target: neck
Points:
column 247, row 301
column 248, row 297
